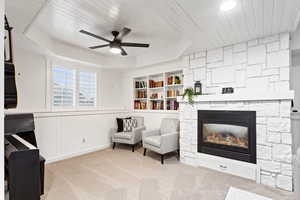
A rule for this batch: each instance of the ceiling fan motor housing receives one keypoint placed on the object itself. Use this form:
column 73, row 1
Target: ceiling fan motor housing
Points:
column 115, row 33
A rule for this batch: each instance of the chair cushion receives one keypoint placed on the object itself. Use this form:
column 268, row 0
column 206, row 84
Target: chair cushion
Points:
column 123, row 135
column 120, row 123
column 169, row 125
column 129, row 124
column 153, row 140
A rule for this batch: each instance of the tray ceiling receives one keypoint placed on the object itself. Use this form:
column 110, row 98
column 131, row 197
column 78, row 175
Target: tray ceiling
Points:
column 165, row 23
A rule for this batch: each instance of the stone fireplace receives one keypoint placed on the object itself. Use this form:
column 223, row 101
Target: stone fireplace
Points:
column 229, row 134
column 259, row 74
column 268, row 160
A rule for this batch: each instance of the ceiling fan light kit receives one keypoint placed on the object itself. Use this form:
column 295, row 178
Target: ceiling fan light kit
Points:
column 115, row 50
column 228, row 5
column 116, row 45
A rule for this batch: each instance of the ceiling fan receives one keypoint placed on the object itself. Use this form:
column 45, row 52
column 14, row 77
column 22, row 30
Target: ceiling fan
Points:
column 116, row 45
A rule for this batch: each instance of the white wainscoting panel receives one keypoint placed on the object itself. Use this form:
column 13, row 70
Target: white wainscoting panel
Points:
column 63, row 136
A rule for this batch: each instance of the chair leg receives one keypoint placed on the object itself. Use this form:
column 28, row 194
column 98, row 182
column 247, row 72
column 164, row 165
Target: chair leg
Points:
column 132, row 148
column 114, row 145
column 162, row 159
column 178, row 154
column 145, row 150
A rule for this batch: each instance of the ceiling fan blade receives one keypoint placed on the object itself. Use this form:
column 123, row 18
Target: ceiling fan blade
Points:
column 123, row 53
column 129, row 44
column 125, row 31
column 95, row 36
column 99, row 46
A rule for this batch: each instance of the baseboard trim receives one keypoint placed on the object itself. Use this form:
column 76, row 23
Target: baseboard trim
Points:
column 80, row 153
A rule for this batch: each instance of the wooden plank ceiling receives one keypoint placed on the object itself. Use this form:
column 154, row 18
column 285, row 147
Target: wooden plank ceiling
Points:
column 167, row 21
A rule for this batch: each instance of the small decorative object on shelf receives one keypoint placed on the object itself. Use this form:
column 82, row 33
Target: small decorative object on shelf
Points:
column 227, row 90
column 198, row 88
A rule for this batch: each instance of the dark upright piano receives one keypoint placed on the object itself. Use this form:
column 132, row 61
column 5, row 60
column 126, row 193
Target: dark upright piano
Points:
column 24, row 167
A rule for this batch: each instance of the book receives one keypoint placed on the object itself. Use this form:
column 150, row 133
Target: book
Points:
column 140, row 105
column 140, row 84
column 155, row 84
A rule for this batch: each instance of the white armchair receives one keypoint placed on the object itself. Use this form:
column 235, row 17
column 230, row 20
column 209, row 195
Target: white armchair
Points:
column 131, row 138
column 163, row 140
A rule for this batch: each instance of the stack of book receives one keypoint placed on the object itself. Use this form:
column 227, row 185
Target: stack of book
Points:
column 140, row 105
column 172, row 93
column 173, row 80
column 140, row 84
column 170, row 80
column 155, row 84
column 172, row 105
column 141, row 94
column 156, row 105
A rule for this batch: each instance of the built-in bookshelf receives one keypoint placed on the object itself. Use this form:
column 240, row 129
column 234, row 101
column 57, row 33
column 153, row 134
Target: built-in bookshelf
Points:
column 158, row 91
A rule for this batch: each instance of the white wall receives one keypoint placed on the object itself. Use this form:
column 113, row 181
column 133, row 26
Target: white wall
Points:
column 295, row 81
column 32, row 81
column 62, row 135
column 111, row 89
column 295, row 39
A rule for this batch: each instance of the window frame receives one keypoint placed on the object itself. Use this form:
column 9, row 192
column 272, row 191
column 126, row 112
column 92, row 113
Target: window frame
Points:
column 77, row 70
column 78, row 89
column 52, row 90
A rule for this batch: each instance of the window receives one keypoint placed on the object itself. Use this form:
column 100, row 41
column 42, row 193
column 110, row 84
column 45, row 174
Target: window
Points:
column 63, row 87
column 87, row 88
column 73, row 88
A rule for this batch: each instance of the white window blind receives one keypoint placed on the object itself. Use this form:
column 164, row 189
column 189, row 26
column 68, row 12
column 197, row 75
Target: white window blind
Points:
column 87, row 89
column 63, row 85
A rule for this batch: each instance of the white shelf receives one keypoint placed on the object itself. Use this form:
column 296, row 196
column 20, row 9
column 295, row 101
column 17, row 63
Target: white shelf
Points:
column 156, row 111
column 156, row 99
column 156, row 88
column 171, row 97
column 161, row 91
column 175, row 85
column 140, row 99
column 249, row 96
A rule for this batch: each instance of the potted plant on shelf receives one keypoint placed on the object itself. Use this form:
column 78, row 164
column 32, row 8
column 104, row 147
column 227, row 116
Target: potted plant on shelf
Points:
column 189, row 92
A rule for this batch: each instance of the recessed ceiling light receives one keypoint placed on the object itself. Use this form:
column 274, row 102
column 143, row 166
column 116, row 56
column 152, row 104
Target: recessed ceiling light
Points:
column 227, row 5
column 115, row 50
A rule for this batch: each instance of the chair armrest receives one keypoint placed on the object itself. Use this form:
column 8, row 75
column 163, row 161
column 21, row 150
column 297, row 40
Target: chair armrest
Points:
column 137, row 134
column 141, row 128
column 170, row 142
column 150, row 133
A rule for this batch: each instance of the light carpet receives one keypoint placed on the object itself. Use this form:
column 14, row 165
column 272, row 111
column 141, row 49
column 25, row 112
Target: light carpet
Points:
column 237, row 194
column 123, row 175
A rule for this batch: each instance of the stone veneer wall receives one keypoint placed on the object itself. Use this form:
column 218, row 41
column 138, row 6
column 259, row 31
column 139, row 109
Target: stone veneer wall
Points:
column 261, row 64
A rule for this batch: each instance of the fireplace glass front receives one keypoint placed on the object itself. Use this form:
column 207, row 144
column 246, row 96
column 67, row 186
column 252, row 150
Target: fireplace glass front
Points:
column 229, row 134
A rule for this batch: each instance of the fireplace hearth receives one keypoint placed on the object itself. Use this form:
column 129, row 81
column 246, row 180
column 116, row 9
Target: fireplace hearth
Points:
column 229, row 134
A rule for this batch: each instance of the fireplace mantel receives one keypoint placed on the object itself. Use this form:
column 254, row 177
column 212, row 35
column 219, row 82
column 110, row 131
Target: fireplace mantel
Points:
column 250, row 96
